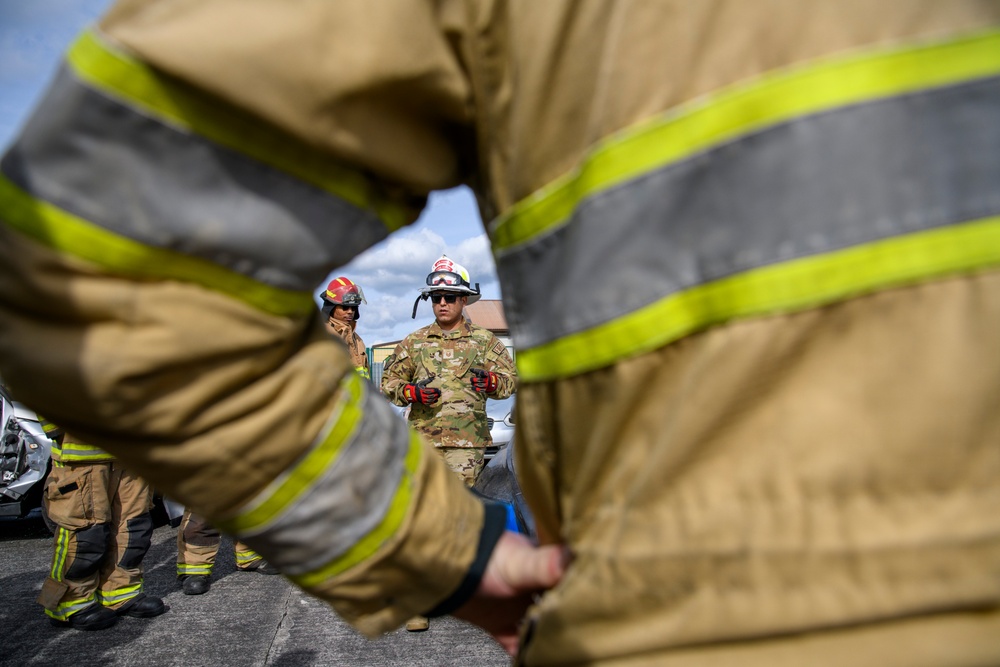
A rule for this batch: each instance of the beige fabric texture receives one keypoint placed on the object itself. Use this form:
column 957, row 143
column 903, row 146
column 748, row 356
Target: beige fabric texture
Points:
column 788, row 484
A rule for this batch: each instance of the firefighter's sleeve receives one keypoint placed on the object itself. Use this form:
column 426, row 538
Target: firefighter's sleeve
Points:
column 397, row 371
column 194, row 171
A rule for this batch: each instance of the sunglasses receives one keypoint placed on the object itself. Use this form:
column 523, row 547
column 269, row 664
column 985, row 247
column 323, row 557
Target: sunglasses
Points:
column 347, row 307
column 448, row 298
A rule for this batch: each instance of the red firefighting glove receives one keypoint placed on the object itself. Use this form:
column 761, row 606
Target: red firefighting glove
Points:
column 483, row 380
column 421, row 393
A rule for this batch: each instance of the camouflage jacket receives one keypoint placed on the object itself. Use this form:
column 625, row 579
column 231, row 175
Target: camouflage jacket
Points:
column 359, row 356
column 458, row 418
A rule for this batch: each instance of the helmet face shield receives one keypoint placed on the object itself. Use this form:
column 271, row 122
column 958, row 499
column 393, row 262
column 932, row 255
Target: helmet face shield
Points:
column 343, row 292
column 353, row 298
column 446, row 278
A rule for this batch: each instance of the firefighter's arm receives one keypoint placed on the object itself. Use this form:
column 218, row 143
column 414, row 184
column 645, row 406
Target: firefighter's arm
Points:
column 166, row 214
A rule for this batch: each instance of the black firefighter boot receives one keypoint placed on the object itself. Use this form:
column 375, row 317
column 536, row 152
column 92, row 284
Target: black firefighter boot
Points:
column 142, row 606
column 195, row 584
column 93, row 617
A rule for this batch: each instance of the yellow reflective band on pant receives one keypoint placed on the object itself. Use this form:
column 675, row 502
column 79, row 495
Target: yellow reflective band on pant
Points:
column 125, row 78
column 119, row 595
column 59, row 559
column 779, row 288
column 186, row 569
column 58, row 229
column 247, row 557
column 367, row 546
column 742, row 109
column 70, row 607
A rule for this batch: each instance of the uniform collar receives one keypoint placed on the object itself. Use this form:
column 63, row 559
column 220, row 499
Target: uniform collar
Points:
column 461, row 331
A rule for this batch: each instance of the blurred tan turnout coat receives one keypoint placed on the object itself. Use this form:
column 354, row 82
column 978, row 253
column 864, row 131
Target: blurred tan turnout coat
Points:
column 749, row 255
column 355, row 344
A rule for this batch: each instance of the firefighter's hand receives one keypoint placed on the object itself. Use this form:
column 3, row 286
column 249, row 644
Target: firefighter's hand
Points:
column 415, row 393
column 516, row 571
column 483, row 380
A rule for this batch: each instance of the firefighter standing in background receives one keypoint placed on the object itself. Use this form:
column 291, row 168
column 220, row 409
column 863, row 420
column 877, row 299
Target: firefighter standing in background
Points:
column 749, row 254
column 198, row 544
column 445, row 372
column 342, row 307
column 103, row 531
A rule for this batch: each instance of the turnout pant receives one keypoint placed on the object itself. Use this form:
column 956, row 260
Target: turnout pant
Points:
column 198, row 543
column 104, row 530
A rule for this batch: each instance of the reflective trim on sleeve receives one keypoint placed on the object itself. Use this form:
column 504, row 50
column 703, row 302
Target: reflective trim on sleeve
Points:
column 59, row 229
column 357, row 477
column 784, row 218
column 93, row 177
column 119, row 75
column 785, row 287
column 741, row 109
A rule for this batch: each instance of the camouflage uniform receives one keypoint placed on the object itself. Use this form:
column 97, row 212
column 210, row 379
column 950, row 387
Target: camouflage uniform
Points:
column 359, row 357
column 457, row 421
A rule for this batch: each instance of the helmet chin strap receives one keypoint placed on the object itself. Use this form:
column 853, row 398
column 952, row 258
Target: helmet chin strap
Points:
column 422, row 297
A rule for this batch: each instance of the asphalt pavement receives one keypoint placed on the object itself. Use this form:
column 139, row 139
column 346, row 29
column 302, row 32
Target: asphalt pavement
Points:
column 245, row 619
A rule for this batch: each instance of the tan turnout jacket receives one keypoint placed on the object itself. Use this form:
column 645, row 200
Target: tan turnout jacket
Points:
column 749, row 256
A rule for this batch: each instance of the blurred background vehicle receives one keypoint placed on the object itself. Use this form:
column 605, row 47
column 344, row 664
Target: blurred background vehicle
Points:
column 24, row 458
column 500, row 417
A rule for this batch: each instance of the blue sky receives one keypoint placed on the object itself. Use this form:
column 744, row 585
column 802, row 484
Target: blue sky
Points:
column 33, row 35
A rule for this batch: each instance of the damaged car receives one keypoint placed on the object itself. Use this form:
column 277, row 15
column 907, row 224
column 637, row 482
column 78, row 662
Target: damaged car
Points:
column 24, row 458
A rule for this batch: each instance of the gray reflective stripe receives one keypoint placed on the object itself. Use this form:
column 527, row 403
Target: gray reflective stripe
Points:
column 348, row 501
column 133, row 175
column 817, row 184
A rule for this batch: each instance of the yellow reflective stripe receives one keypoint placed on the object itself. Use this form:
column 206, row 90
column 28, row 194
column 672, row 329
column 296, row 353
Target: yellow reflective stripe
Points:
column 59, row 559
column 75, row 452
column 247, row 557
column 109, row 598
column 786, row 287
column 124, row 77
column 289, row 487
column 189, row 569
column 70, row 607
column 740, row 109
column 94, row 457
column 59, row 229
column 367, row 546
